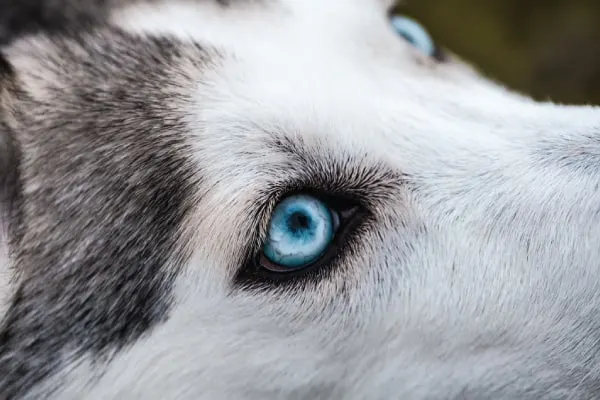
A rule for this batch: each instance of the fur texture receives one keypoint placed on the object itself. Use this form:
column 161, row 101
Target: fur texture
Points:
column 144, row 145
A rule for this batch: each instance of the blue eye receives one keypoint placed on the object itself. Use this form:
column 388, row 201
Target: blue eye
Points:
column 301, row 229
column 415, row 34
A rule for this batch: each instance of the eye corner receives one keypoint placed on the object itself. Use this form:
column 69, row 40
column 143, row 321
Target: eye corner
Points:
column 440, row 55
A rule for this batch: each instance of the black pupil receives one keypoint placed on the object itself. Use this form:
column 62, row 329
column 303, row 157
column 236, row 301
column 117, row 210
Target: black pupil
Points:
column 299, row 221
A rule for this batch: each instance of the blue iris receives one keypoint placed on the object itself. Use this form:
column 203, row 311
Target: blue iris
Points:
column 301, row 229
column 415, row 34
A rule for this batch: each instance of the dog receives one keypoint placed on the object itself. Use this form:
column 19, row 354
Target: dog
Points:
column 285, row 199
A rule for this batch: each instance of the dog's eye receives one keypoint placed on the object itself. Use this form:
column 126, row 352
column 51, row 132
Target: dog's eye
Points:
column 415, row 34
column 301, row 230
column 307, row 233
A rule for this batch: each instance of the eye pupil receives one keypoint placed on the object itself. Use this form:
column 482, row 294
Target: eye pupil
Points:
column 299, row 222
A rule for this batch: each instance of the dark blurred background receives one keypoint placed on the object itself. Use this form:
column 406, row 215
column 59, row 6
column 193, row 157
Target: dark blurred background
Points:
column 547, row 48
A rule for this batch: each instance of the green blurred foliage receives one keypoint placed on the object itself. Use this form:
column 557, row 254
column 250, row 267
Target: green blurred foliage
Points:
column 547, row 48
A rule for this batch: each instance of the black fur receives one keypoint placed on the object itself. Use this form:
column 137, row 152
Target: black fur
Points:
column 105, row 196
column 10, row 190
column 22, row 17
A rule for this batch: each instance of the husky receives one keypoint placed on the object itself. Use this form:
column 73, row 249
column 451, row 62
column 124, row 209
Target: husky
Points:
column 285, row 199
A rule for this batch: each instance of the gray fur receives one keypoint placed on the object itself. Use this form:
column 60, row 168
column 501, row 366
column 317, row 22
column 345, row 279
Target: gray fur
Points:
column 110, row 166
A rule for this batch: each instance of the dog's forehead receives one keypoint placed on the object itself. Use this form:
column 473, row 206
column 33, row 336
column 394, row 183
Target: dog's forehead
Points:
column 272, row 49
column 251, row 24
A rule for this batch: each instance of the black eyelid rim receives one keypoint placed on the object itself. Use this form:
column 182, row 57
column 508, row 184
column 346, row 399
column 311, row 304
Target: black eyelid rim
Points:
column 440, row 55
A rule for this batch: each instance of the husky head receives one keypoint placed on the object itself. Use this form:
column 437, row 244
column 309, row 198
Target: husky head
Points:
column 299, row 199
